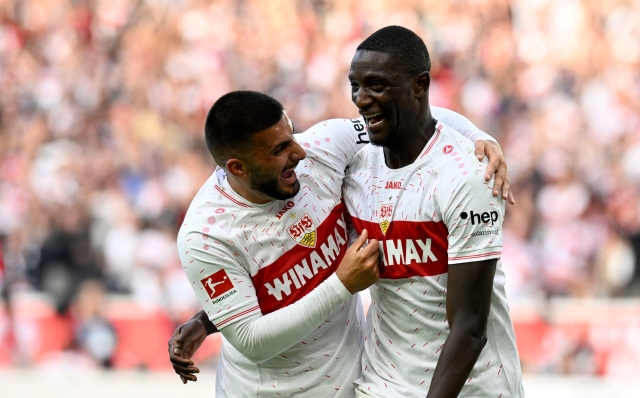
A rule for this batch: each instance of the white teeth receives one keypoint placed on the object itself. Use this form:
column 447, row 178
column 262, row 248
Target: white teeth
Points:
column 372, row 115
column 375, row 124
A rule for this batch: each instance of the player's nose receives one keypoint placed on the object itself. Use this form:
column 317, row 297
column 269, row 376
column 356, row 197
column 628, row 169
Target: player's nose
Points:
column 361, row 98
column 298, row 153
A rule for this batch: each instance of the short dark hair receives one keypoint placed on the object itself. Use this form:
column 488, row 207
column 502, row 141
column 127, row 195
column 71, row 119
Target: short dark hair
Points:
column 235, row 117
column 404, row 45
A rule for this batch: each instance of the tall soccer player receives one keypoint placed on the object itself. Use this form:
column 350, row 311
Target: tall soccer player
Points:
column 264, row 245
column 439, row 324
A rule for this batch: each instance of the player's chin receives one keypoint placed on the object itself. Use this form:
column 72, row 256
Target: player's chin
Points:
column 289, row 190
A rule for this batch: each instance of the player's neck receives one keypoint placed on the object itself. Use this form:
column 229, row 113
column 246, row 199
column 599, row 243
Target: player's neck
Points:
column 409, row 147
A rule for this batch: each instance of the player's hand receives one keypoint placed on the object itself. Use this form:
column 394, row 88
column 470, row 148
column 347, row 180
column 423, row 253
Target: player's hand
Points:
column 359, row 267
column 497, row 165
column 185, row 341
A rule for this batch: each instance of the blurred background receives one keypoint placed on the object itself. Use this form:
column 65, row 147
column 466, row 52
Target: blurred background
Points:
column 102, row 104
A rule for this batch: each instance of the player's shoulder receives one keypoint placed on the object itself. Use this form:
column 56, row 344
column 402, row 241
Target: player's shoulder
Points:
column 210, row 213
column 366, row 157
column 454, row 157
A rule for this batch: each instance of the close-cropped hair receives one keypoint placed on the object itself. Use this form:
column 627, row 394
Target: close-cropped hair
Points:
column 235, row 117
column 406, row 47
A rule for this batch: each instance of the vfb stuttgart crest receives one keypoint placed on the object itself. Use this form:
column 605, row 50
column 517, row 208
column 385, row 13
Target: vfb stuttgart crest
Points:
column 303, row 231
column 386, row 211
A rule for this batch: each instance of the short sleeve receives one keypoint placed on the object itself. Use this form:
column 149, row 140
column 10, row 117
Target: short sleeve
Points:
column 334, row 142
column 222, row 284
column 460, row 123
column 473, row 216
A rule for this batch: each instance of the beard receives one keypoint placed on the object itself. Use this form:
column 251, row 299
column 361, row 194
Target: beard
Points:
column 270, row 186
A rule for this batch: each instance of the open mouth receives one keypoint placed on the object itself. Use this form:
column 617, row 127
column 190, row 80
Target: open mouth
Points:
column 374, row 119
column 289, row 175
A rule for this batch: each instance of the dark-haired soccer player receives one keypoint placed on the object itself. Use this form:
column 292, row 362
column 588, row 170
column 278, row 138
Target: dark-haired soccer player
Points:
column 264, row 245
column 439, row 325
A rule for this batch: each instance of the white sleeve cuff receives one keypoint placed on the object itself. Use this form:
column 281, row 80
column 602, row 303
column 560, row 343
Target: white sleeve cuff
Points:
column 338, row 288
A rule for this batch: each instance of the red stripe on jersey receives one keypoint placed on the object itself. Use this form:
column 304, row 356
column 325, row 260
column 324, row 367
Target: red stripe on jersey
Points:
column 433, row 142
column 237, row 315
column 303, row 268
column 226, row 195
column 472, row 256
column 410, row 248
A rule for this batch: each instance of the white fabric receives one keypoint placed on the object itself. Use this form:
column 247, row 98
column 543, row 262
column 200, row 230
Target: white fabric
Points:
column 253, row 268
column 460, row 124
column 436, row 213
column 262, row 337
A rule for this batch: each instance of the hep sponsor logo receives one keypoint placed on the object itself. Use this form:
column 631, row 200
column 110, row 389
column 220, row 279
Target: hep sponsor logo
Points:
column 447, row 149
column 303, row 231
column 285, row 209
column 217, row 284
column 477, row 218
column 386, row 211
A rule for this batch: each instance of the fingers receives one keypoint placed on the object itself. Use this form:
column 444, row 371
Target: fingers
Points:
column 506, row 188
column 498, row 183
column 362, row 239
column 512, row 200
column 480, row 149
column 372, row 249
column 186, row 370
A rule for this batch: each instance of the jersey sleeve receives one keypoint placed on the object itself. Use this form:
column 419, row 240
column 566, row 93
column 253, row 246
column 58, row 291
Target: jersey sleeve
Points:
column 334, row 142
column 223, row 286
column 473, row 216
column 261, row 337
column 460, row 123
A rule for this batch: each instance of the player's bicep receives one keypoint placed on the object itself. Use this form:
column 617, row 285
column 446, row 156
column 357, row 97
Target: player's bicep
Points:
column 469, row 289
column 222, row 285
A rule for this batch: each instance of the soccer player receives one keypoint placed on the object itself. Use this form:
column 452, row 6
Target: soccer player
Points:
column 439, row 324
column 264, row 245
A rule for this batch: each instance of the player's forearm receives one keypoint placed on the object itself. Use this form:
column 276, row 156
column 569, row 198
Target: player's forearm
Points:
column 263, row 337
column 459, row 354
column 460, row 123
column 202, row 317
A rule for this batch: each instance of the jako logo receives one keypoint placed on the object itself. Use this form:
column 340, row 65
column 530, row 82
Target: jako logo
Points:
column 285, row 209
column 393, row 185
column 480, row 217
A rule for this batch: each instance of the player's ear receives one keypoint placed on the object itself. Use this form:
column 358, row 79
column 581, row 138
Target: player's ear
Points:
column 237, row 168
column 421, row 84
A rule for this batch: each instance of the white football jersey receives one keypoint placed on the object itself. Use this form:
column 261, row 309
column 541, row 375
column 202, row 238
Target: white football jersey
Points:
column 244, row 258
column 435, row 212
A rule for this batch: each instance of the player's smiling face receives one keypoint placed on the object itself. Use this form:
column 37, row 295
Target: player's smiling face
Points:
column 384, row 95
column 272, row 160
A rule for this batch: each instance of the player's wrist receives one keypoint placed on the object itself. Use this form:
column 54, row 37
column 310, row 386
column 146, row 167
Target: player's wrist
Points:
column 201, row 317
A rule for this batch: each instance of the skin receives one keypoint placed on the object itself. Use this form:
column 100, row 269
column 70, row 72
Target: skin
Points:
column 379, row 86
column 403, row 124
column 256, row 174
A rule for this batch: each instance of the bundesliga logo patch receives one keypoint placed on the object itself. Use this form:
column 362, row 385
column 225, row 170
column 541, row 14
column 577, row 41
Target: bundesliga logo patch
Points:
column 386, row 211
column 217, row 284
column 303, row 231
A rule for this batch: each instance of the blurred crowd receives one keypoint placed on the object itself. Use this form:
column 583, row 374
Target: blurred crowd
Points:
column 102, row 104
